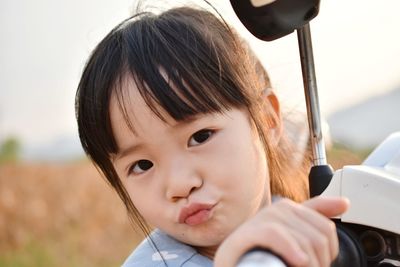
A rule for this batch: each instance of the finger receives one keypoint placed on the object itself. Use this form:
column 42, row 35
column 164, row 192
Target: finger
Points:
column 308, row 249
column 324, row 226
column 328, row 206
column 282, row 242
column 272, row 236
column 316, row 240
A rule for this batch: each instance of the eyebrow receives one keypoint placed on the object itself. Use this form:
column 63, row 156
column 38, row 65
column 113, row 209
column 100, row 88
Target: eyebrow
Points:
column 126, row 151
column 186, row 121
column 132, row 148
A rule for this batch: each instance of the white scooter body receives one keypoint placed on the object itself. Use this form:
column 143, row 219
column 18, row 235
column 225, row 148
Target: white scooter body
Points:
column 373, row 188
column 367, row 230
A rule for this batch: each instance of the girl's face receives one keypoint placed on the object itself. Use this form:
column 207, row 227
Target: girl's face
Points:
column 197, row 180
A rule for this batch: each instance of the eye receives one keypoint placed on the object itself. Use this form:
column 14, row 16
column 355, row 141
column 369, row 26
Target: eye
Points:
column 140, row 166
column 200, row 137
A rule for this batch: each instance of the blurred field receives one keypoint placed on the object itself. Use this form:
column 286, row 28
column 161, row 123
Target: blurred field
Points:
column 66, row 215
column 60, row 215
column 339, row 155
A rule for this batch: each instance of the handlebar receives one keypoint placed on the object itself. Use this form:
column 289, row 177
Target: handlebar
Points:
column 260, row 258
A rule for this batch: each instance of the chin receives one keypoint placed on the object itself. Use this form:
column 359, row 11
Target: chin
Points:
column 203, row 241
column 207, row 236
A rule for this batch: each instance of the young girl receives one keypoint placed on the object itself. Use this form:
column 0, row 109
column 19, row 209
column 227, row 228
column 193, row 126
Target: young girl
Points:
column 178, row 114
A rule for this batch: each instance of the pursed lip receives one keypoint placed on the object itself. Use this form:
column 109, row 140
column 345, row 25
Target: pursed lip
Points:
column 193, row 209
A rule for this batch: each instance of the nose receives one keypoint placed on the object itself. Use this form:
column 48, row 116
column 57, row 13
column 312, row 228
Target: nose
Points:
column 181, row 179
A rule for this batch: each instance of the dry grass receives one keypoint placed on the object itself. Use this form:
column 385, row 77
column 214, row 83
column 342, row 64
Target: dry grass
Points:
column 66, row 215
column 61, row 215
column 338, row 156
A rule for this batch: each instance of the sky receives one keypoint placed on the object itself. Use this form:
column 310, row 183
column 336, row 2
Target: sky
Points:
column 45, row 43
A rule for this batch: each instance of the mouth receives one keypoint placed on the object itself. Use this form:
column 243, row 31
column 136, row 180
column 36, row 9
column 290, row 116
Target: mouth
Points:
column 195, row 213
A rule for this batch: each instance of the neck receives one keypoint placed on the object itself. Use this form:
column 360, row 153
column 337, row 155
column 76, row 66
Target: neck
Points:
column 208, row 252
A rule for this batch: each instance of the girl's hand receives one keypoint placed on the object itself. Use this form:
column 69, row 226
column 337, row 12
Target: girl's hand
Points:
column 302, row 234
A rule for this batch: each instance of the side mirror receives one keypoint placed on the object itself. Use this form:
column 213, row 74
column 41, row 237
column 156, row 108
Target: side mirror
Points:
column 272, row 19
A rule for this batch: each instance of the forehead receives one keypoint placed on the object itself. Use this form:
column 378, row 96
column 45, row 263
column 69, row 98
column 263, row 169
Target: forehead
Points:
column 159, row 96
column 128, row 108
column 131, row 113
column 166, row 96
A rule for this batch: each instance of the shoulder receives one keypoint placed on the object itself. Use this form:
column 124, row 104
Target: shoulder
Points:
column 159, row 249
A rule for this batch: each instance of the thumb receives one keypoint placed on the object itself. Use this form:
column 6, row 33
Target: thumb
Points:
column 328, row 206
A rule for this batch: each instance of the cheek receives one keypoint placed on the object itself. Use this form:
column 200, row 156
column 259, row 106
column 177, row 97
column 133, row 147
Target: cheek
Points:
column 239, row 162
column 264, row 182
column 141, row 197
column 255, row 176
column 258, row 174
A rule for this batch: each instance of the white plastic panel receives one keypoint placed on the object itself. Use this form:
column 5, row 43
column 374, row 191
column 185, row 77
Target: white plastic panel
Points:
column 374, row 195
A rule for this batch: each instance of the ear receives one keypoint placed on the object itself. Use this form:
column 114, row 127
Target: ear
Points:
column 274, row 119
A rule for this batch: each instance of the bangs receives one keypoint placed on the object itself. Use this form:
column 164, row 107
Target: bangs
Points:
column 176, row 67
column 183, row 62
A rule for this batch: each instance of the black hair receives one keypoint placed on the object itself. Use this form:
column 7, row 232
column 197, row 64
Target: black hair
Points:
column 184, row 61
